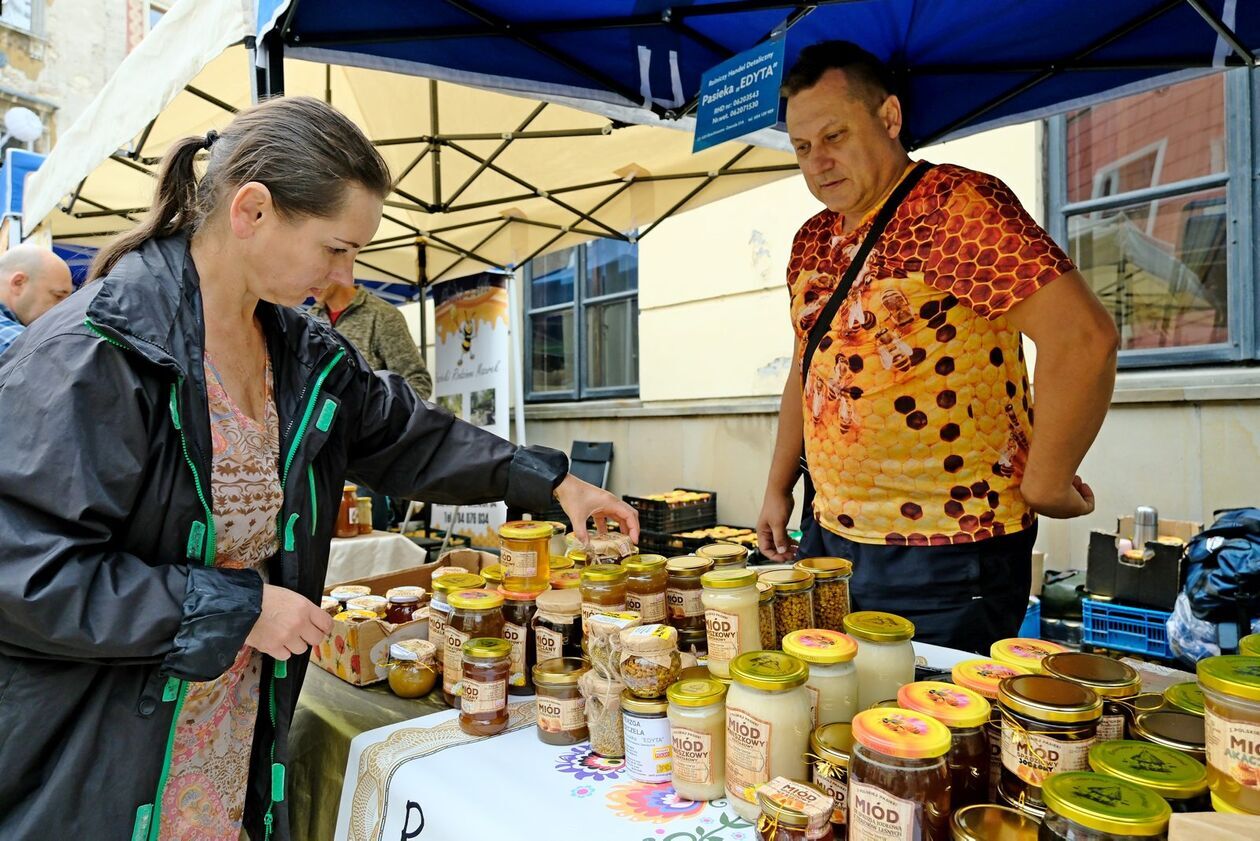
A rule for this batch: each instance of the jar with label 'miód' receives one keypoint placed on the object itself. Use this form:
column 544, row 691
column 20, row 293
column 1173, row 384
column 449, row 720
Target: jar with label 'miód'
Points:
column 1231, row 724
column 1048, row 727
column 682, row 595
column 1115, row 682
column 898, row 780
column 1084, row 806
column 646, row 582
column 730, row 615
column 965, row 713
column 474, row 613
column 561, row 716
column 697, row 718
column 484, row 666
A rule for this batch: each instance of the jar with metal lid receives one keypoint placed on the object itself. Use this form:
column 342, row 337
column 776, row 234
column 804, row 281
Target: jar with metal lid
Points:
column 401, row 608
column 730, row 615
column 765, row 615
column 354, row 616
column 363, row 514
column 440, row 609
column 830, row 746
column 493, row 575
column 767, row 724
column 646, row 581
column 561, row 710
column 561, row 562
column 525, row 555
column 484, row 666
column 345, row 592
column 1024, row 653
column 557, row 625
column 1231, row 723
column 965, row 713
column 885, row 655
column 518, row 629
column 793, row 601
column 793, row 811
column 474, row 613
column 682, row 595
column 601, row 641
column 411, row 670
column 645, row 725
column 1115, row 682
column 567, row 579
column 1172, row 729
column 831, row 590
column 1172, row 775
column 988, row 822
column 603, row 589
column 1084, row 806
column 348, row 514
column 697, row 720
column 724, row 555
column 1186, row 697
column 1249, row 645
column 1048, row 727
column 832, row 683
column 898, row 780
column 375, row 604
column 695, row 643
column 649, row 659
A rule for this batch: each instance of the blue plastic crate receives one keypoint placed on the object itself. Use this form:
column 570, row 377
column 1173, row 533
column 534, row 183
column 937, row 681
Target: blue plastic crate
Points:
column 1124, row 628
column 1031, row 629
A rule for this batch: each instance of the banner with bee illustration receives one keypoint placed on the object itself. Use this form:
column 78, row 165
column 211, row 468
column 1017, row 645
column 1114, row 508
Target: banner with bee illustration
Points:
column 470, row 379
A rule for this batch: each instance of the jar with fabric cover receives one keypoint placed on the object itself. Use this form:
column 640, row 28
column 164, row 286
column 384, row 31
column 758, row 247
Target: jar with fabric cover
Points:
column 557, row 625
column 793, row 811
column 649, row 659
column 412, row 673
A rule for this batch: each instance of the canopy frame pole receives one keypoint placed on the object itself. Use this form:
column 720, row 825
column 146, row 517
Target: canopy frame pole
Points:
column 1226, row 34
column 502, row 147
column 498, row 230
column 435, row 146
column 713, row 176
column 144, row 138
column 422, row 267
column 268, row 64
column 415, row 163
column 539, row 193
column 625, row 185
column 1050, row 72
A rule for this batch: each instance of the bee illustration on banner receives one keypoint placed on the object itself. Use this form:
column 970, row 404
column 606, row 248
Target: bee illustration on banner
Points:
column 468, row 330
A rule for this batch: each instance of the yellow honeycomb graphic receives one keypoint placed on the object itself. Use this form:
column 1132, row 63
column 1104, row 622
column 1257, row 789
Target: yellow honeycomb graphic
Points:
column 917, row 415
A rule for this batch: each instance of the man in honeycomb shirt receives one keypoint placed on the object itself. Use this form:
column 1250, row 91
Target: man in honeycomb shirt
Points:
column 916, row 416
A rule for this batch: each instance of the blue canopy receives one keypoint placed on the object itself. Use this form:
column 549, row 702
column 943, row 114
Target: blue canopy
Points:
column 962, row 65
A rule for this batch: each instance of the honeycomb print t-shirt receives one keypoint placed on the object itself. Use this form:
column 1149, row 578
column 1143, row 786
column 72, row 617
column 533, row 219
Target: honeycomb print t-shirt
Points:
column 916, row 409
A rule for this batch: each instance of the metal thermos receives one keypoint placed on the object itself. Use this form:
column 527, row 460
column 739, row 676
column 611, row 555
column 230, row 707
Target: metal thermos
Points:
column 1145, row 526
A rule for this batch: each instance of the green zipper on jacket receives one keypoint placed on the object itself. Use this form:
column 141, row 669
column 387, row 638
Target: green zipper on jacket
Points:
column 280, row 668
column 155, row 817
column 149, row 815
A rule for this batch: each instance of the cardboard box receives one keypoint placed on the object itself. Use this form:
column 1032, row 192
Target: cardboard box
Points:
column 354, row 650
column 1156, row 582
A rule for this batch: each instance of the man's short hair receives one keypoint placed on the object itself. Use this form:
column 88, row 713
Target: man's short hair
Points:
column 868, row 76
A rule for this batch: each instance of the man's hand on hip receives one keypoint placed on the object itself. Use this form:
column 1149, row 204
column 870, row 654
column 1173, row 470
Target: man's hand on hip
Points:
column 1063, row 503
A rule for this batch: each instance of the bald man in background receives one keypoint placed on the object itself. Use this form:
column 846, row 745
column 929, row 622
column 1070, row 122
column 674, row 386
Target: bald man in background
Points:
column 32, row 281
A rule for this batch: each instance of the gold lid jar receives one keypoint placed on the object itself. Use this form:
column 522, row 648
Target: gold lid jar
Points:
column 724, row 555
column 989, row 822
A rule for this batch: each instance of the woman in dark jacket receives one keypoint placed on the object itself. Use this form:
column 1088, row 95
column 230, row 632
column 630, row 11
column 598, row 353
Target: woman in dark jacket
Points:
column 175, row 440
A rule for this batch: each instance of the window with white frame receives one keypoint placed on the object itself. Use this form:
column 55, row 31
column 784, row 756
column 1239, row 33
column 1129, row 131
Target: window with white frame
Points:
column 582, row 315
column 1150, row 196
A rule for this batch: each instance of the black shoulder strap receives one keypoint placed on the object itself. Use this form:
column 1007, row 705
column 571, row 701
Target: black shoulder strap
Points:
column 885, row 215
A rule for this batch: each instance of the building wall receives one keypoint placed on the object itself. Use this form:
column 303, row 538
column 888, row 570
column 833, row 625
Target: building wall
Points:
column 58, row 71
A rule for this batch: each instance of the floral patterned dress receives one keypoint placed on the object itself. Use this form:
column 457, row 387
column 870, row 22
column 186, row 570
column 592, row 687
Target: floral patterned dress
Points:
column 205, row 793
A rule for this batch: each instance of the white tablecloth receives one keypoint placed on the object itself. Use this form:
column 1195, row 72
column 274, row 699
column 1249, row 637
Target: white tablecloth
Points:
column 371, row 554
column 427, row 773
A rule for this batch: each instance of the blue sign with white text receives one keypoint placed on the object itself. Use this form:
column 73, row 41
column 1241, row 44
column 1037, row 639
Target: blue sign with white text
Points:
column 740, row 95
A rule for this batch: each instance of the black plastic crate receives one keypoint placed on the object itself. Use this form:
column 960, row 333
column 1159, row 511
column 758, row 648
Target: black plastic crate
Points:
column 671, row 545
column 671, row 517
